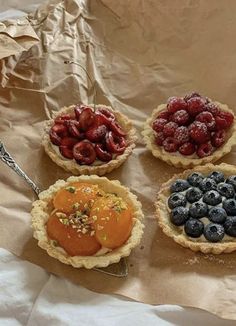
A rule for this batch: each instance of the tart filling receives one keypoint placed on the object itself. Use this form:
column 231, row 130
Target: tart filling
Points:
column 190, row 131
column 198, row 208
column 87, row 221
column 89, row 140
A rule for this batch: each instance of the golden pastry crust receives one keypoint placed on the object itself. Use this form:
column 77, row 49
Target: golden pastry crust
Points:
column 175, row 232
column 179, row 160
column 72, row 165
column 41, row 211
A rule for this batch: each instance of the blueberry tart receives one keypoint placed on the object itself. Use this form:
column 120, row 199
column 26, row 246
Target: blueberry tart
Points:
column 87, row 221
column 197, row 208
column 89, row 140
column 190, row 131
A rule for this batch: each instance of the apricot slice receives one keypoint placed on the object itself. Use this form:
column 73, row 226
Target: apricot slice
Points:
column 74, row 243
column 112, row 219
column 76, row 196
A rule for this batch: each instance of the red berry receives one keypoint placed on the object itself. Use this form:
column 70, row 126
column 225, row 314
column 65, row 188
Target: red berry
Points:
column 59, row 129
column 187, row 149
column 117, row 129
column 218, row 138
column 73, row 128
column 66, row 152
column 169, row 128
column 163, row 115
column 61, row 119
column 175, row 104
column 212, row 108
column 96, row 134
column 181, row 117
column 114, row 143
column 170, row 145
column 181, row 135
column 159, row 138
column 55, row 139
column 107, row 113
column 68, row 142
column 195, row 105
column 191, row 95
column 158, row 124
column 86, row 118
column 198, row 132
column 205, row 150
column 208, row 119
column 84, row 152
column 102, row 154
column 224, row 120
column 101, row 119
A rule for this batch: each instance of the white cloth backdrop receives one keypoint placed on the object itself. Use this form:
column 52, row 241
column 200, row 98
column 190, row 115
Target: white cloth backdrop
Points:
column 30, row 296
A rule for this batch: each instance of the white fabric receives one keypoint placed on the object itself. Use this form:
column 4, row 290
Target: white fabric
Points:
column 30, row 296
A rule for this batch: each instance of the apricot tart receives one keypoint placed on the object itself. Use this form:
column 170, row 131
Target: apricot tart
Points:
column 87, row 221
column 89, row 139
column 198, row 208
column 190, row 131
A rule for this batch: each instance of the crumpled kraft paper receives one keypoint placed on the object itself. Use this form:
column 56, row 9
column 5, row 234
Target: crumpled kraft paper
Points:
column 137, row 53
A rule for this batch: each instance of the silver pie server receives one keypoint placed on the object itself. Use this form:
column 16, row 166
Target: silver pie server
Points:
column 119, row 269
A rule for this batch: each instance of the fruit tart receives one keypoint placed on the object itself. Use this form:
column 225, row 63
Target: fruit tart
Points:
column 89, row 139
column 190, row 131
column 198, row 208
column 87, row 221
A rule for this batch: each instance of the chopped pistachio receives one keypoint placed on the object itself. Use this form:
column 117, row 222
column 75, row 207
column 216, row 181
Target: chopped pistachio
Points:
column 71, row 189
column 76, row 206
column 94, row 217
column 92, row 233
column 84, row 230
column 64, row 221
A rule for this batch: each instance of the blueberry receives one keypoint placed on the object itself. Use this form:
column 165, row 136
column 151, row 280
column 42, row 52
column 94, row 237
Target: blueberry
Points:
column 193, row 194
column 217, row 176
column 198, row 210
column 212, row 198
column 207, row 184
column 230, row 226
column 217, row 215
column 176, row 199
column 195, row 178
column 230, row 206
column 226, row 190
column 232, row 180
column 179, row 185
column 194, row 228
column 179, row 215
column 214, row 232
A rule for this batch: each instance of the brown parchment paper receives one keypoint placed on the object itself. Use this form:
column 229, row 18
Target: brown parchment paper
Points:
column 138, row 53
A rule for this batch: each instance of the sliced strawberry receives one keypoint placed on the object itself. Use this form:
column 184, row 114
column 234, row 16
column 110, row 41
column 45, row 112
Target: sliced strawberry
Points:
column 55, row 139
column 86, row 118
column 61, row 119
column 84, row 152
column 117, row 129
column 73, row 128
column 102, row 154
column 218, row 138
column 66, row 152
column 59, row 129
column 114, row 143
column 68, row 142
column 96, row 134
column 101, row 119
column 107, row 113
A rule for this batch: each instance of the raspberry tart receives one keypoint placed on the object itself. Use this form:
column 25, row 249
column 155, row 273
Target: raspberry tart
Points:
column 198, row 208
column 87, row 221
column 89, row 139
column 190, row 131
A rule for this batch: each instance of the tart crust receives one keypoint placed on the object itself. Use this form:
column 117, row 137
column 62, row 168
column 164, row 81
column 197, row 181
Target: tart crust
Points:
column 72, row 165
column 175, row 232
column 179, row 160
column 41, row 212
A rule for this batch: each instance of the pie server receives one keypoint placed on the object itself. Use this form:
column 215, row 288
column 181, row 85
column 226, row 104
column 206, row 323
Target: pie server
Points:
column 119, row 269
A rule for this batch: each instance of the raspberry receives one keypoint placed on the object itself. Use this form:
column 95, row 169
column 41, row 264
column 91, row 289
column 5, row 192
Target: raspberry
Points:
column 187, row 149
column 175, row 104
column 204, row 150
column 181, row 135
column 208, row 119
column 212, row 108
column 181, row 117
column 198, row 132
column 224, row 120
column 195, row 105
column 191, row 95
column 159, row 138
column 169, row 129
column 218, row 138
column 170, row 145
column 163, row 115
column 158, row 124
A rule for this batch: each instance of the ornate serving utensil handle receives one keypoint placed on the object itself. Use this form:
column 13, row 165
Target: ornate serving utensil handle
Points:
column 119, row 269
